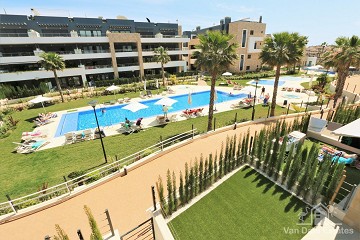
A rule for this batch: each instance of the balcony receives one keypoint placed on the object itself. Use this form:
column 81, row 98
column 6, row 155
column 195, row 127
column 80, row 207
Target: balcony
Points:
column 98, row 69
column 151, row 65
column 128, row 67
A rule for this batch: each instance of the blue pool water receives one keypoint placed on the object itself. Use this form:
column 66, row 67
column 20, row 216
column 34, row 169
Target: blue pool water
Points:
column 267, row 82
column 115, row 114
column 291, row 96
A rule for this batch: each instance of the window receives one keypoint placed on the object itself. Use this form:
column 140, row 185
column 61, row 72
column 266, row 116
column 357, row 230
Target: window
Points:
column 242, row 56
column 243, row 41
column 247, row 68
column 251, row 32
column 249, row 56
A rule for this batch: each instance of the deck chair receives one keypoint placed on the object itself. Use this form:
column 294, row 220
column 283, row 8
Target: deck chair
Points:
column 173, row 118
column 160, row 119
column 170, row 90
column 126, row 128
column 127, row 99
column 69, row 138
column 79, row 137
column 88, row 134
column 31, row 147
column 120, row 100
column 142, row 95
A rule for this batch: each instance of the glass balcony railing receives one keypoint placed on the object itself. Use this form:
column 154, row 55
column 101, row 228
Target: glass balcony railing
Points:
column 17, row 54
column 128, row 64
column 98, row 66
column 125, row 50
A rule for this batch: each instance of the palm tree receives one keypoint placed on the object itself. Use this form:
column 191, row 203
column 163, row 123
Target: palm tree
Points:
column 281, row 49
column 161, row 56
column 52, row 62
column 344, row 54
column 216, row 54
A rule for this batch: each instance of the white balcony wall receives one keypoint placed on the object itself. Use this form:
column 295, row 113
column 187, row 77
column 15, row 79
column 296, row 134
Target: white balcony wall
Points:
column 41, row 74
column 51, row 40
column 85, row 56
column 18, row 60
column 127, row 54
column 129, row 68
column 170, row 52
column 151, row 65
column 251, row 44
column 165, row 40
column 99, row 70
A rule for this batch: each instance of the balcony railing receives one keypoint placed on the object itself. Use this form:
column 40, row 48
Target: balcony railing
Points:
column 98, row 66
column 17, row 54
column 128, row 64
column 14, row 35
column 125, row 50
column 168, row 49
column 95, row 51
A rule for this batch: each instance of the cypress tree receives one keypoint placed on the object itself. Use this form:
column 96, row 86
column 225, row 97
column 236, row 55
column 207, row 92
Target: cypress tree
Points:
column 238, row 154
column 247, row 141
column 295, row 168
column 289, row 160
column 267, row 156
column 187, row 184
column 305, row 174
column 226, row 156
column 230, row 155
column 334, row 180
column 201, row 175
column 61, row 234
column 233, row 155
column 260, row 148
column 196, row 176
column 253, row 150
column 221, row 161
column 206, row 175
column 280, row 159
column 320, row 178
column 283, row 128
column 95, row 231
column 216, row 168
column 174, row 191
column 313, row 158
column 191, row 182
column 169, row 190
column 243, row 149
column 273, row 158
column 181, row 190
column 210, row 169
column 160, row 189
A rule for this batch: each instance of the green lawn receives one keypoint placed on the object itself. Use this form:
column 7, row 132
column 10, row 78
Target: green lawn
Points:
column 246, row 206
column 24, row 174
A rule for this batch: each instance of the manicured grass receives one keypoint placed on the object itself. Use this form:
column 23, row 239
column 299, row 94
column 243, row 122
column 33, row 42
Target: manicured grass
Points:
column 246, row 206
column 24, row 174
column 306, row 85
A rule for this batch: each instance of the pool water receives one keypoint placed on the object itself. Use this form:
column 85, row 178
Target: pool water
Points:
column 267, row 82
column 115, row 114
column 291, row 96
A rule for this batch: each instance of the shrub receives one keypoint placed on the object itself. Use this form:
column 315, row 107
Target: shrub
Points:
column 95, row 231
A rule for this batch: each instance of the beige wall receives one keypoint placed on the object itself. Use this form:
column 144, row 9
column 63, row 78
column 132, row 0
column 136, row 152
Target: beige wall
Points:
column 125, row 38
column 352, row 216
column 235, row 29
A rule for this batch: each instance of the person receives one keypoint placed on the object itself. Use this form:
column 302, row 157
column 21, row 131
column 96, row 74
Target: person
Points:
column 249, row 95
column 103, row 111
column 138, row 122
column 165, row 110
column 127, row 122
column 262, row 91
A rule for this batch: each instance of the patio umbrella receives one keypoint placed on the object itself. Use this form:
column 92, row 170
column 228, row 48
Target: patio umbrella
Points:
column 215, row 99
column 166, row 101
column 40, row 99
column 112, row 88
column 134, row 106
column 227, row 74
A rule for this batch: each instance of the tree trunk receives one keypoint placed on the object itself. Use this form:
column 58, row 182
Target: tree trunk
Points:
column 163, row 74
column 276, row 83
column 340, row 84
column 58, row 86
column 211, row 103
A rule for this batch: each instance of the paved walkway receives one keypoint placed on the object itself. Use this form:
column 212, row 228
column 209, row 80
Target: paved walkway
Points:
column 126, row 198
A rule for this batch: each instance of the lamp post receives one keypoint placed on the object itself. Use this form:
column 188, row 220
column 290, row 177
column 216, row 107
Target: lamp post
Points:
column 93, row 104
column 253, row 111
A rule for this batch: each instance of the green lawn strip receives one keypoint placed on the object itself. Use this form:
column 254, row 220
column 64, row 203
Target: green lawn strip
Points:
column 246, row 206
column 23, row 174
column 306, row 85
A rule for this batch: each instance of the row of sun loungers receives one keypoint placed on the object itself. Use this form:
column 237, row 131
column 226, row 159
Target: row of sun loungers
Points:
column 290, row 89
column 74, row 137
column 29, row 146
column 193, row 113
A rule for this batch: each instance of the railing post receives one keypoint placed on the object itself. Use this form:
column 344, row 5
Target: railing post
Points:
column 11, row 203
column 153, row 197
column 192, row 129
column 214, row 124
column 125, row 171
column 162, row 144
column 354, row 99
column 321, row 113
column 322, row 102
column 80, row 234
column 251, row 143
column 67, row 186
column 354, row 89
column 268, row 112
column 110, row 223
column 235, row 121
column 327, row 105
column 307, row 104
column 347, row 86
column 350, row 194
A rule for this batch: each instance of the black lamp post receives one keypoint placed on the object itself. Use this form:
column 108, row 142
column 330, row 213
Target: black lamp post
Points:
column 253, row 111
column 93, row 104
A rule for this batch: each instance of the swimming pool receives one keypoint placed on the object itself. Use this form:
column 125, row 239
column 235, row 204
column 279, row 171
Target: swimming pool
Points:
column 115, row 114
column 267, row 82
column 291, row 96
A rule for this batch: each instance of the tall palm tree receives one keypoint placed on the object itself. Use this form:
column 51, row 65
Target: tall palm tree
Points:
column 216, row 54
column 52, row 62
column 281, row 49
column 161, row 56
column 344, row 54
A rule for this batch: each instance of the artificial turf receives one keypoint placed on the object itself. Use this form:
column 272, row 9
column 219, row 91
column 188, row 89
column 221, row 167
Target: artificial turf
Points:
column 246, row 206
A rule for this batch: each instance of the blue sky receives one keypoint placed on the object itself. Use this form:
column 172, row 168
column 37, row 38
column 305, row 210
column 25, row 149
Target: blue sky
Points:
column 320, row 20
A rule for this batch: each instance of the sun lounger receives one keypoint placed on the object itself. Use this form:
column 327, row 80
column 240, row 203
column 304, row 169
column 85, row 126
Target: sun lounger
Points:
column 30, row 146
column 240, row 104
column 79, row 137
column 88, row 134
column 69, row 138
column 173, row 118
column 237, row 87
column 127, row 99
column 284, row 89
column 126, row 128
column 199, row 112
column 142, row 95
column 39, row 122
column 290, row 89
column 149, row 93
column 161, row 119
column 170, row 90
column 32, row 135
column 120, row 100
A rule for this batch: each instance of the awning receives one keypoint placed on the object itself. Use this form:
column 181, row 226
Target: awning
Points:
column 350, row 130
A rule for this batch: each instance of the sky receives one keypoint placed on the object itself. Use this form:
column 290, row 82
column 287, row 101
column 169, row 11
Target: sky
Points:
column 319, row 20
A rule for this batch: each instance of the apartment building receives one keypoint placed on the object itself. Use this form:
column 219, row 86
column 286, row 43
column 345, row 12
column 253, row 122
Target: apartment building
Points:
column 249, row 35
column 93, row 48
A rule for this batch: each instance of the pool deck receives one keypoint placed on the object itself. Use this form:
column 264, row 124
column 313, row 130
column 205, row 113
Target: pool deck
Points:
column 51, row 128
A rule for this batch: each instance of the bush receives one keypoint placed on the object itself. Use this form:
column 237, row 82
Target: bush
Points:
column 11, row 92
